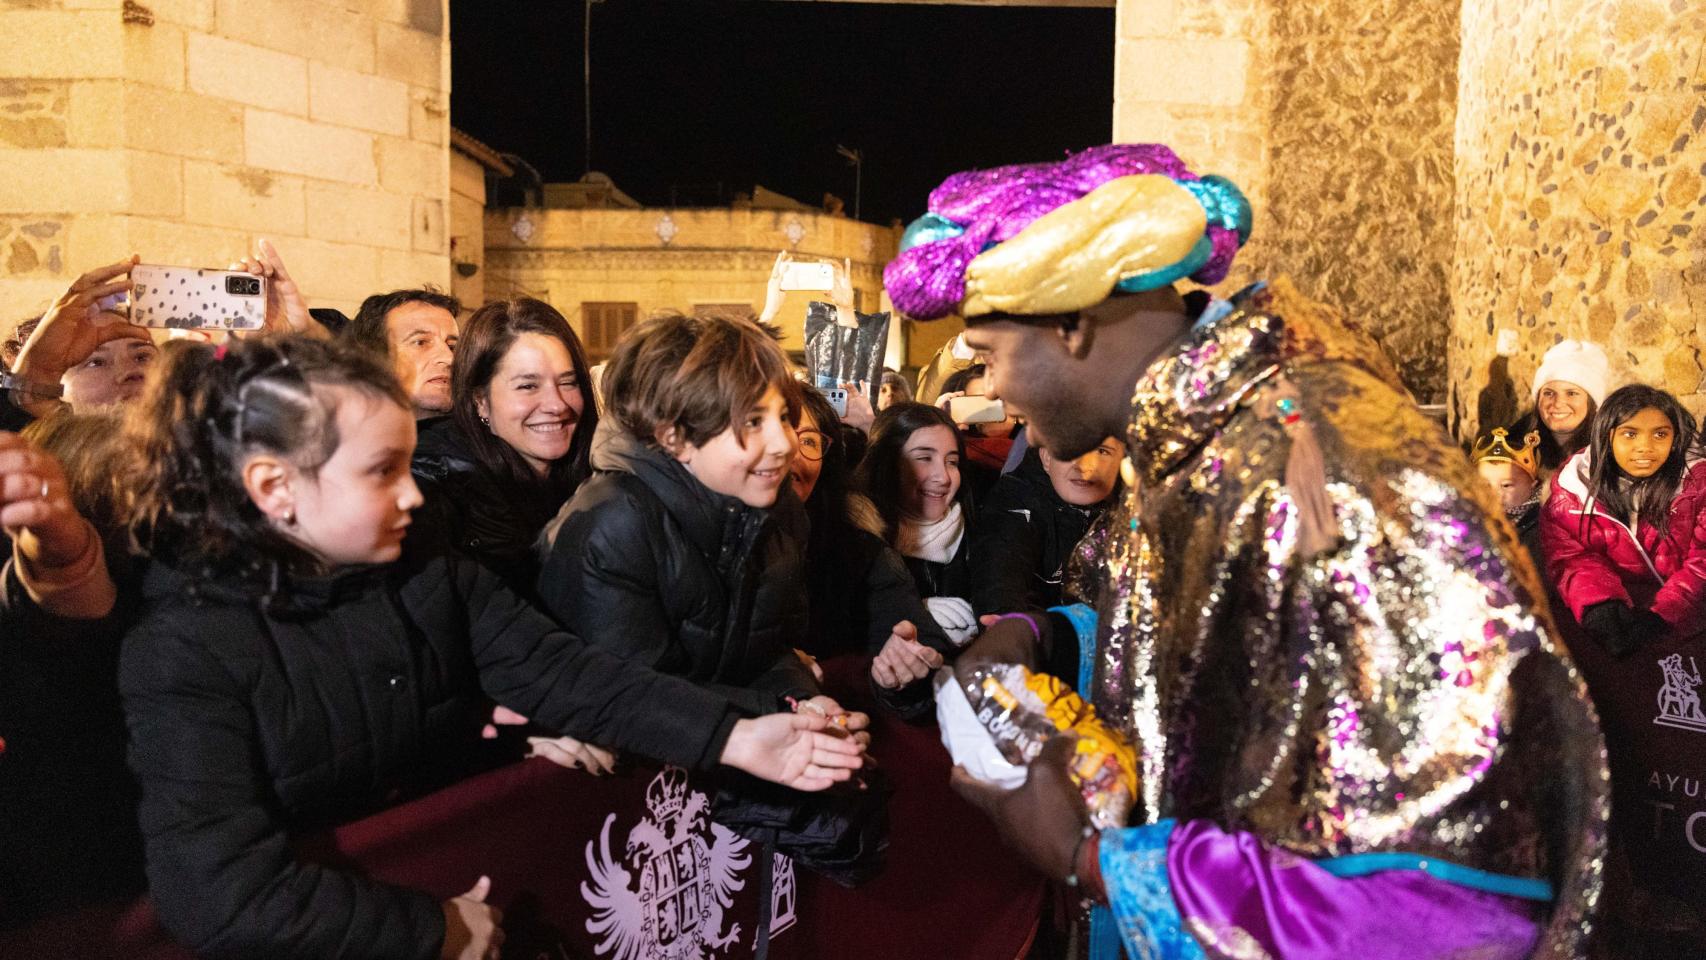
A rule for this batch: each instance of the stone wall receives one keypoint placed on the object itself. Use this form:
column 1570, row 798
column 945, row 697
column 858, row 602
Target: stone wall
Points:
column 184, row 130
column 673, row 259
column 1336, row 118
column 1579, row 180
column 467, row 229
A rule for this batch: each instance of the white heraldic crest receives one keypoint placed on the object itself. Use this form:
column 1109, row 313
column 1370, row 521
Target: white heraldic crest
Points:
column 1679, row 698
column 666, row 897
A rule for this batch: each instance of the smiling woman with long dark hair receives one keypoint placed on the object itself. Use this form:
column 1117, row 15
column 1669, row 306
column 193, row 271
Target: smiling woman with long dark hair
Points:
column 518, row 440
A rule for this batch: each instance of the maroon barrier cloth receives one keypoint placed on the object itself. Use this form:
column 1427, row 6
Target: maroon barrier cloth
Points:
column 949, row 890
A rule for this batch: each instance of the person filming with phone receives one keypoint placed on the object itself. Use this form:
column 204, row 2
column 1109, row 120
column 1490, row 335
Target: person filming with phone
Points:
column 984, row 423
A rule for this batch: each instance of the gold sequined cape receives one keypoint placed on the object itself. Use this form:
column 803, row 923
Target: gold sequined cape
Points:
column 1393, row 686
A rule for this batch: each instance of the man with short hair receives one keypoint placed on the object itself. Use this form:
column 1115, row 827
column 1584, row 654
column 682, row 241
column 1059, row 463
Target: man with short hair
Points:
column 416, row 331
column 1354, row 734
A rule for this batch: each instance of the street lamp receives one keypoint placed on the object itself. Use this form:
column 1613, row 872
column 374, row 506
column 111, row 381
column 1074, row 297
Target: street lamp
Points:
column 586, row 85
column 855, row 159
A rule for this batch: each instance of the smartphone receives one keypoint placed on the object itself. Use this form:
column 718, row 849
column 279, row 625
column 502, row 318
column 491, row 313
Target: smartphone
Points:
column 969, row 410
column 837, row 398
column 194, row 298
column 808, row 275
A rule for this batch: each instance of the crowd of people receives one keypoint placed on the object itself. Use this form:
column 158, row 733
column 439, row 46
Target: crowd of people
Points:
column 532, row 565
column 260, row 584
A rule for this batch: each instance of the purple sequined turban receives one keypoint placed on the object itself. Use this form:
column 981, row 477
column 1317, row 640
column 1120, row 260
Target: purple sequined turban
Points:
column 976, row 210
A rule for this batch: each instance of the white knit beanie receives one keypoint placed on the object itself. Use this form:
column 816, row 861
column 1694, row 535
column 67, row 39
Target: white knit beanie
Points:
column 1575, row 361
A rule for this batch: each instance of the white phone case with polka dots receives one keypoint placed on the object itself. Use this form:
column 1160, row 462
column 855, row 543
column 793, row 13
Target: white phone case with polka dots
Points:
column 193, row 298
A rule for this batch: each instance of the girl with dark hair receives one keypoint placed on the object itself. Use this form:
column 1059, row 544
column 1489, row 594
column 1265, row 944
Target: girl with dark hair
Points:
column 517, row 442
column 1624, row 536
column 911, row 472
column 297, row 662
column 1619, row 531
column 863, row 599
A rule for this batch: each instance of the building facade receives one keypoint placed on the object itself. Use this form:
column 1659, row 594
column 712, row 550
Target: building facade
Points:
column 607, row 268
column 184, row 130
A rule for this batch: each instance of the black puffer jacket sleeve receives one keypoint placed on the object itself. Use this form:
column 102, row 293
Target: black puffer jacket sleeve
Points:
column 222, row 876
column 601, row 579
column 1006, row 556
column 891, row 596
column 532, row 666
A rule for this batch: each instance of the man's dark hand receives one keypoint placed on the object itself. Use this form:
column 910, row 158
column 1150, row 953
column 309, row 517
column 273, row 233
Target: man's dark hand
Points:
column 1002, row 641
column 1043, row 820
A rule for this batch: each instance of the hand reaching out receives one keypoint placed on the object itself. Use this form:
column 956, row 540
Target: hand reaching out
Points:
column 794, row 750
column 573, row 754
column 562, row 751
column 811, row 664
column 841, row 722
column 35, row 506
column 473, row 929
column 903, row 659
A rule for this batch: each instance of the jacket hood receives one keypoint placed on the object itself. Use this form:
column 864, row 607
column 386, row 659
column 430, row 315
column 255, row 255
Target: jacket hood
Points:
column 279, row 594
column 864, row 515
column 708, row 518
column 1573, row 476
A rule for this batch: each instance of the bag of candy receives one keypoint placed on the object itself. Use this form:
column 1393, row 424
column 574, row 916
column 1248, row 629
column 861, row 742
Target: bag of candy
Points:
column 995, row 720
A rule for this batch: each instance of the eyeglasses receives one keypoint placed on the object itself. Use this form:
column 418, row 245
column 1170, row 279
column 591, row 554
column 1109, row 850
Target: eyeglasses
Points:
column 813, row 444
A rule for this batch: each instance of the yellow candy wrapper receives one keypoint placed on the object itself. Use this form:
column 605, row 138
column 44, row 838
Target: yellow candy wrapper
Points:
column 1021, row 710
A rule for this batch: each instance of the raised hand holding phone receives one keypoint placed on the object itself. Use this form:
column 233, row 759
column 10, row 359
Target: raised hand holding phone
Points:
column 287, row 308
column 69, row 332
column 773, row 293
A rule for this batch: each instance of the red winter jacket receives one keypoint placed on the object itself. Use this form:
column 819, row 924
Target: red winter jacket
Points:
column 1592, row 557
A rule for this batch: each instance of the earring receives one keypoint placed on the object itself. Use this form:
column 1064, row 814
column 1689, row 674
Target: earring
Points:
column 485, row 421
column 290, row 516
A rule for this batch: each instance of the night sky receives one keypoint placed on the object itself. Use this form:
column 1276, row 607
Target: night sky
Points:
column 697, row 99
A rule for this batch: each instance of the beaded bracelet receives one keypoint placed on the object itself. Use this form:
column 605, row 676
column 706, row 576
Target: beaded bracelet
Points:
column 1036, row 630
column 1072, row 879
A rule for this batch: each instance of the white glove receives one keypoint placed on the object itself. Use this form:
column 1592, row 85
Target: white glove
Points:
column 954, row 615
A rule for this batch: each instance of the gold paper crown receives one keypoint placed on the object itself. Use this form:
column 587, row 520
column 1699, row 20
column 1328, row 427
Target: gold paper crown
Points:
column 1496, row 448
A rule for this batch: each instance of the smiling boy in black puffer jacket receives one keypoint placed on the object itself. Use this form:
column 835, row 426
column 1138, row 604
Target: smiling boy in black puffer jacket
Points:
column 682, row 550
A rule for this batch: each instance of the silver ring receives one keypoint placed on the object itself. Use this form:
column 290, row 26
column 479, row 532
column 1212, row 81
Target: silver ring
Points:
column 44, row 490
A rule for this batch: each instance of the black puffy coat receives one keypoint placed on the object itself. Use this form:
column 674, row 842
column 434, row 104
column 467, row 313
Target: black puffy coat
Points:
column 68, row 832
column 475, row 510
column 860, row 588
column 252, row 718
column 651, row 564
column 1025, row 534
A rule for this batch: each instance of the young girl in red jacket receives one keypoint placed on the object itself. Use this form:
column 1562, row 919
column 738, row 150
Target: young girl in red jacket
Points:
column 1624, row 532
column 1624, row 536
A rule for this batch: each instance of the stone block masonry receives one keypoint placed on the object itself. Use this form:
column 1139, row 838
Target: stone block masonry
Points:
column 1335, row 118
column 184, row 130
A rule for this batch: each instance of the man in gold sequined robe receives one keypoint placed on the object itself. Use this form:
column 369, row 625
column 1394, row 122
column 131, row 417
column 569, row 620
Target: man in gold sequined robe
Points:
column 1355, row 734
